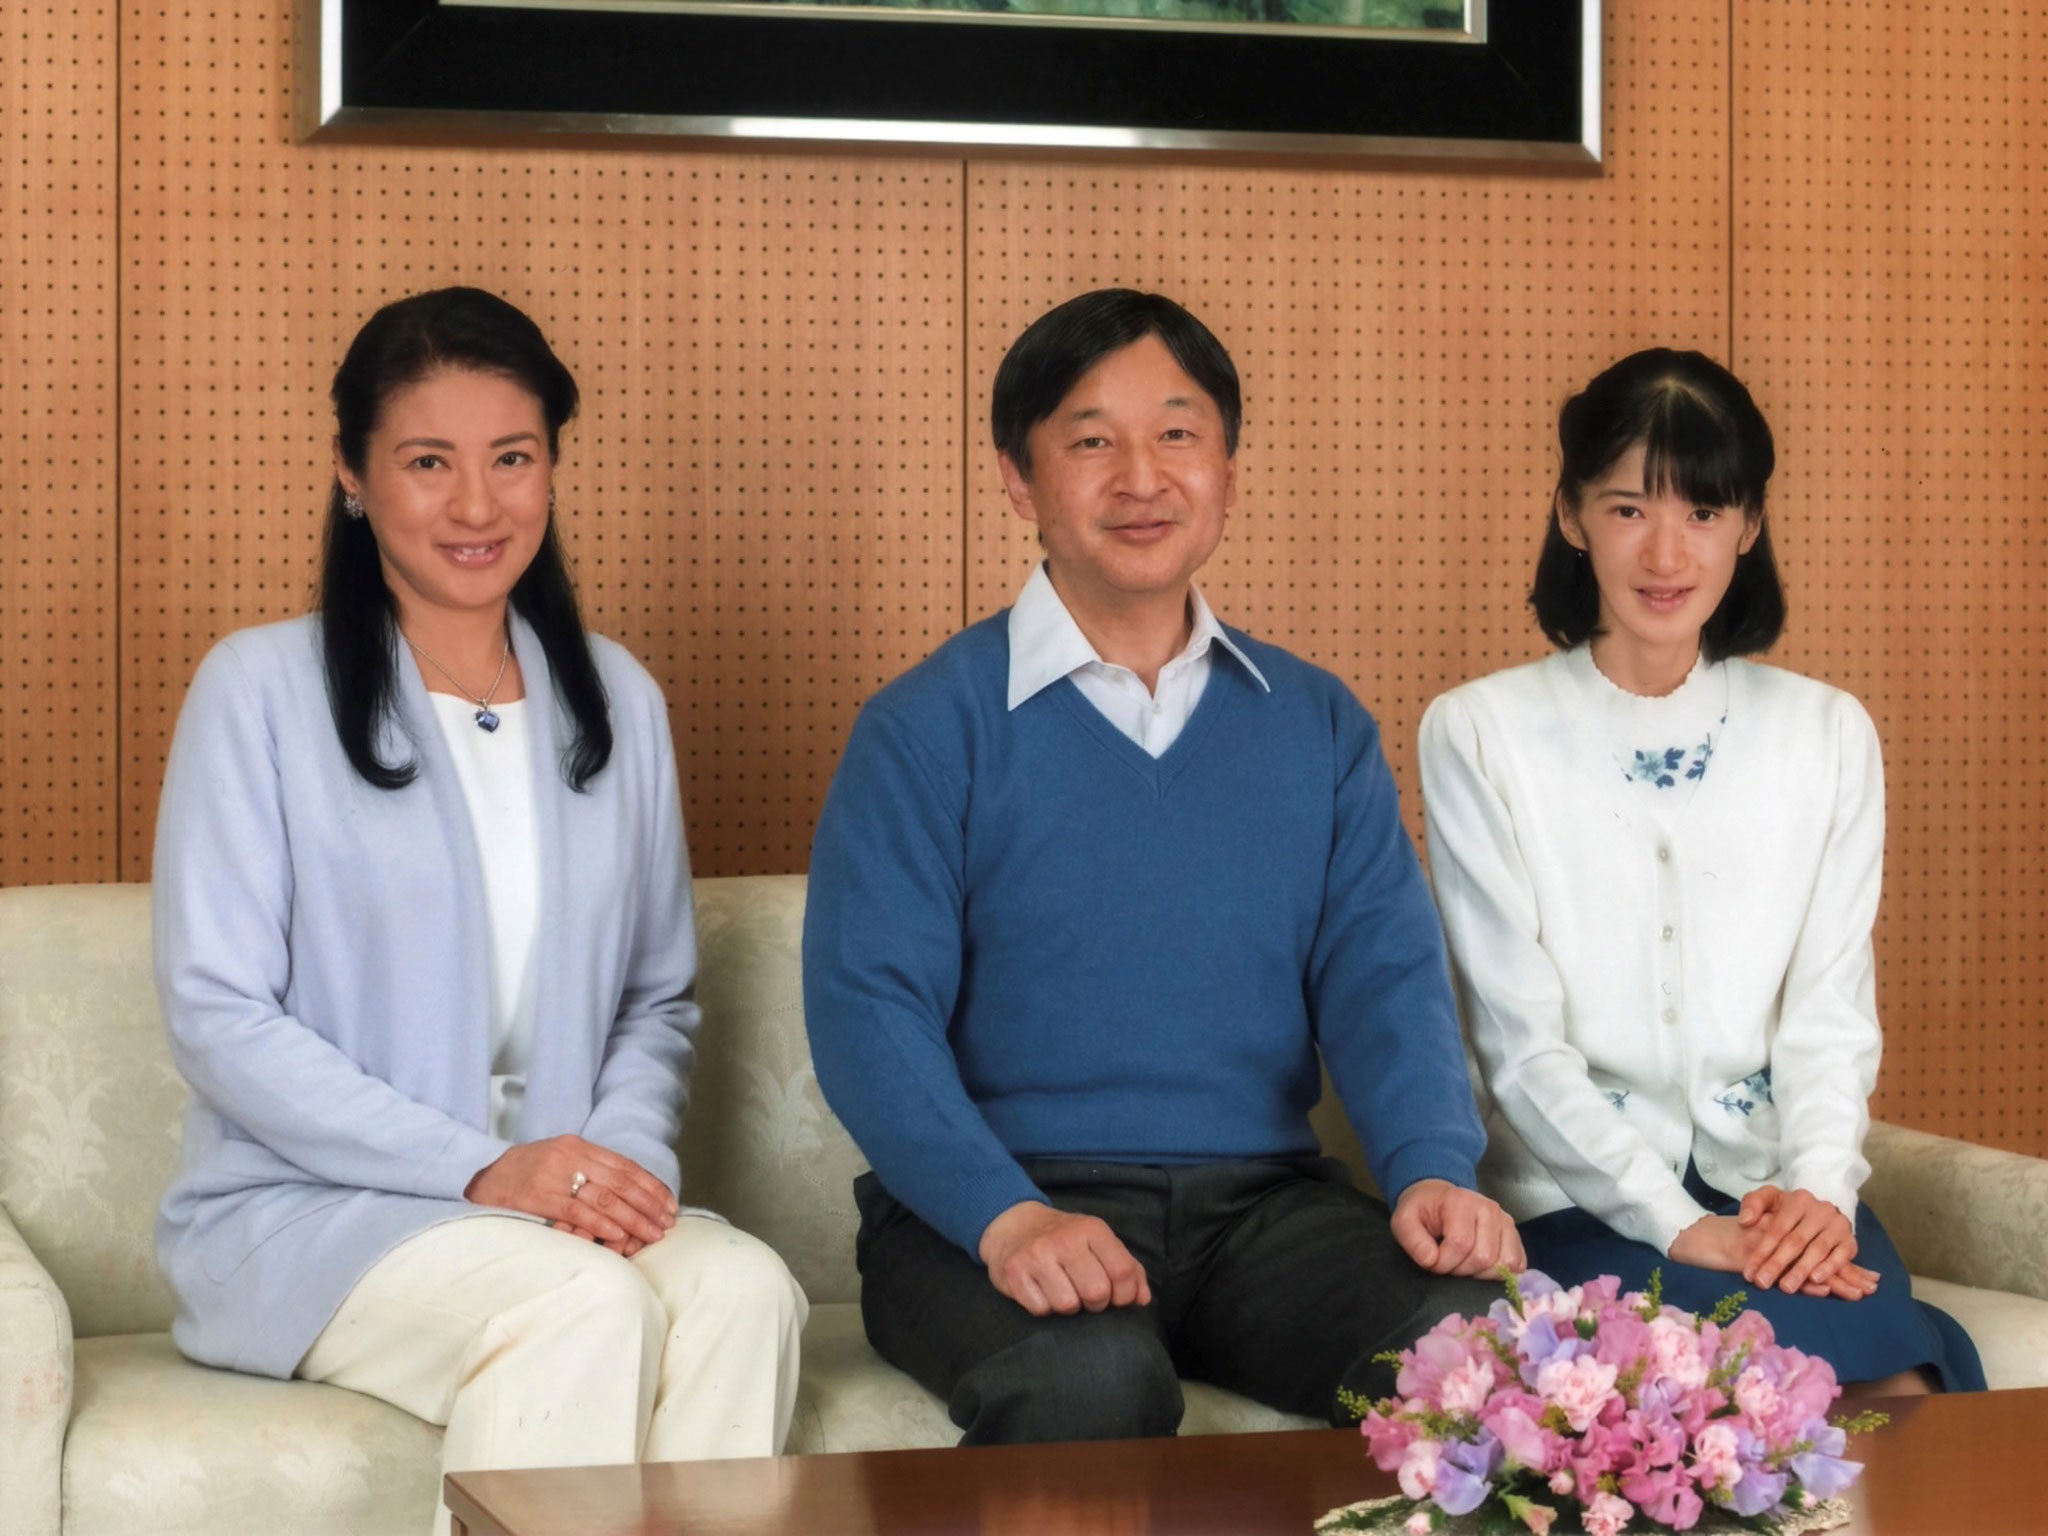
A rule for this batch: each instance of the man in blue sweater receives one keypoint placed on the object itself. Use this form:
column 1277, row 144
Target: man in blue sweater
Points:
column 1093, row 884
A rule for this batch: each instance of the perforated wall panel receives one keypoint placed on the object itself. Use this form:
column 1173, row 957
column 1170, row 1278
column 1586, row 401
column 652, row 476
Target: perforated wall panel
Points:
column 1404, row 338
column 1891, row 310
column 57, row 441
column 762, row 498
column 781, row 492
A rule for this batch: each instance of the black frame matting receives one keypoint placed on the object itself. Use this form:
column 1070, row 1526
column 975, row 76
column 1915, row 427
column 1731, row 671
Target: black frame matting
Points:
column 415, row 68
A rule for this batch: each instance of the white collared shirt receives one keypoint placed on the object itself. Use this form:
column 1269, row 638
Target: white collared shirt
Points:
column 1047, row 645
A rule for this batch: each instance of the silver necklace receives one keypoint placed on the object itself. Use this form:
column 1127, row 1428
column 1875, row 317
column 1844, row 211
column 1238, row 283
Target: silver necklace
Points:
column 486, row 717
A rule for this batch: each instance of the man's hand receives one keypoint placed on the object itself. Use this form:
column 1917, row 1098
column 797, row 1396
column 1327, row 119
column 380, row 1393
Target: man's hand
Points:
column 1054, row 1261
column 1800, row 1242
column 1451, row 1231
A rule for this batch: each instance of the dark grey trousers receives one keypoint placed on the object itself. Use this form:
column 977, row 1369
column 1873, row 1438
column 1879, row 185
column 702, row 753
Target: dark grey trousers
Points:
column 1277, row 1279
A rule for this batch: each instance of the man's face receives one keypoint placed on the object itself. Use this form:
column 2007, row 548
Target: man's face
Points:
column 1130, row 480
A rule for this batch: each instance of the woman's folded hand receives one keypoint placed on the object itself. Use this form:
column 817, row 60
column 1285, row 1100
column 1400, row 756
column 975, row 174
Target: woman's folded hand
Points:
column 579, row 1188
column 1801, row 1243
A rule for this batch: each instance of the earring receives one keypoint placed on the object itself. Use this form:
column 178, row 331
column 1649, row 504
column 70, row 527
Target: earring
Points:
column 352, row 504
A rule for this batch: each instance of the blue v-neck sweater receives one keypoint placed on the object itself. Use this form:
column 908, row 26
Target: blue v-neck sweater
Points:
column 1028, row 937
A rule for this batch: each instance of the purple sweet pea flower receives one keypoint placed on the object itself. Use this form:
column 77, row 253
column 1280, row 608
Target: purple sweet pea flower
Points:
column 1822, row 1471
column 1545, row 1340
column 1464, row 1474
column 1757, row 1490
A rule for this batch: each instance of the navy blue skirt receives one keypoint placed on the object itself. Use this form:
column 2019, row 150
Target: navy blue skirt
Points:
column 1865, row 1340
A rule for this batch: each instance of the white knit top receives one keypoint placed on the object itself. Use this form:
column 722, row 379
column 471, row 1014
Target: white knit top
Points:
column 496, row 772
column 1655, row 972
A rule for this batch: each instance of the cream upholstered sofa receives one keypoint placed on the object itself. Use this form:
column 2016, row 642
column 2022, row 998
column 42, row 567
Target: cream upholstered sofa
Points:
column 103, row 1427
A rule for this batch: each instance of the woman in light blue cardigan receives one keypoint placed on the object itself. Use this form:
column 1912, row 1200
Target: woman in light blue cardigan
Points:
column 423, row 938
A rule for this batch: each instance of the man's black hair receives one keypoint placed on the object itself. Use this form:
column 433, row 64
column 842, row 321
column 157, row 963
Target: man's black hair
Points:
column 1047, row 361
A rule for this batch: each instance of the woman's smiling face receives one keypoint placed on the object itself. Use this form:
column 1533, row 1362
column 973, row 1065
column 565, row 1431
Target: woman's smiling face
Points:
column 1662, row 563
column 455, row 482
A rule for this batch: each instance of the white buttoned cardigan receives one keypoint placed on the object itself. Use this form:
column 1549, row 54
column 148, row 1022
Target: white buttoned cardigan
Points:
column 1639, row 990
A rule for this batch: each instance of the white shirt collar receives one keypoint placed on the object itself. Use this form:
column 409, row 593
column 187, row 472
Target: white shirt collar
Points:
column 1047, row 645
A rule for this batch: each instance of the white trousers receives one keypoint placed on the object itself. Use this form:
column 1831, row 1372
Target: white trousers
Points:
column 538, row 1349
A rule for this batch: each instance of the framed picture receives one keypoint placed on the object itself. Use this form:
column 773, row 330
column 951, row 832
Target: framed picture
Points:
column 1514, row 80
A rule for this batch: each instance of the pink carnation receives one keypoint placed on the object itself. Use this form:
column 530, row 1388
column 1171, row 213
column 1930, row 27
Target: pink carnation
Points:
column 1675, row 1353
column 1580, row 1388
column 1714, row 1462
column 1466, row 1385
column 1757, row 1396
column 1419, row 1523
column 1606, row 1515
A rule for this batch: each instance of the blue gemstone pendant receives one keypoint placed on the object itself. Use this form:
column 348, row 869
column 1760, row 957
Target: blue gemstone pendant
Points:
column 487, row 718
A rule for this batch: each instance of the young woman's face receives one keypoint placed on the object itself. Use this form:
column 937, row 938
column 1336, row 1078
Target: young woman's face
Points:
column 1663, row 563
column 455, row 486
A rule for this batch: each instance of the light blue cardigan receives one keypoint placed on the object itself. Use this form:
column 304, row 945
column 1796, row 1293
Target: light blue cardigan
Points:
column 322, row 959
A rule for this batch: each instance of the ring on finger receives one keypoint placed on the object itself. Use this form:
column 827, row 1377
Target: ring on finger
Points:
column 576, row 1183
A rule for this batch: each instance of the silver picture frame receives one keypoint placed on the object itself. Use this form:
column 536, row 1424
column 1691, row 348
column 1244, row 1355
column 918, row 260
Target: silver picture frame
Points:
column 1517, row 84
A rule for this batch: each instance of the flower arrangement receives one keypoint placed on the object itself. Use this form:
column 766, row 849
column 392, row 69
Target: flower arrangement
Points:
column 1586, row 1405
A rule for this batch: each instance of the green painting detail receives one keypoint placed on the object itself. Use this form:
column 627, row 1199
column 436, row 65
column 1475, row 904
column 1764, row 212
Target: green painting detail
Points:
column 1392, row 15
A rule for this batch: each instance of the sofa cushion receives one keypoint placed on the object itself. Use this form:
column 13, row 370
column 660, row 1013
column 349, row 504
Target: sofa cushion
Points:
column 161, row 1445
column 89, row 1102
column 758, row 1143
column 849, row 1400
column 2010, row 1331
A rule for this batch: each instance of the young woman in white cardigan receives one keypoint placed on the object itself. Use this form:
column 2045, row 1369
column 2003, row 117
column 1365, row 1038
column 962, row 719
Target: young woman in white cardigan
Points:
column 1658, row 868
column 424, row 944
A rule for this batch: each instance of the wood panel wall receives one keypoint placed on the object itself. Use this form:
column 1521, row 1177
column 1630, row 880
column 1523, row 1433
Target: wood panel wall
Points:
column 58, row 442
column 1891, row 311
column 781, row 492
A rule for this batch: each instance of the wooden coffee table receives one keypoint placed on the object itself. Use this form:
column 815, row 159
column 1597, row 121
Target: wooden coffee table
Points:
column 1944, row 1466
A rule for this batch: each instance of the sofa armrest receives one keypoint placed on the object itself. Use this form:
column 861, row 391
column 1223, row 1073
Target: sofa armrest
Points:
column 1959, row 1212
column 35, row 1386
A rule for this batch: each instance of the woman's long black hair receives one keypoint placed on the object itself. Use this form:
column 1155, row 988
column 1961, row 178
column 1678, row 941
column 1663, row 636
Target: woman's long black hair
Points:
column 402, row 344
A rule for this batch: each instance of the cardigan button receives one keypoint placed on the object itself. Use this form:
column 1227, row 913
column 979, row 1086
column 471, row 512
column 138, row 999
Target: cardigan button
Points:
column 1669, row 933
column 1670, row 1015
column 1663, row 855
